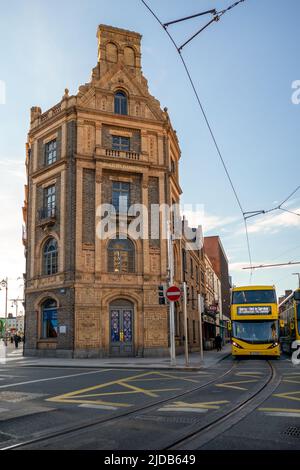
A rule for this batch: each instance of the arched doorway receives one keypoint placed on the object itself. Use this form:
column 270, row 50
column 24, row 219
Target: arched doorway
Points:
column 121, row 323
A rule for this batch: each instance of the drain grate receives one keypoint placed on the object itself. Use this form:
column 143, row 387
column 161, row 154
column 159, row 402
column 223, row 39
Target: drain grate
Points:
column 292, row 431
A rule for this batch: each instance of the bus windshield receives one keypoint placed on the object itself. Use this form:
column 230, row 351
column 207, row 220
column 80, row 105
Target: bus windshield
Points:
column 253, row 297
column 255, row 331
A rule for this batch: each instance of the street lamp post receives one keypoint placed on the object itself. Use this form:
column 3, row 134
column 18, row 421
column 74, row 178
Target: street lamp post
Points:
column 4, row 283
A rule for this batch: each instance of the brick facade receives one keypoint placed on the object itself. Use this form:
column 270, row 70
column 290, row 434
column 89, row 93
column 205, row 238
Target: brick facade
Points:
column 84, row 296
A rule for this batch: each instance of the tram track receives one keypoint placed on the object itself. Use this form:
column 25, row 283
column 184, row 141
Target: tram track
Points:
column 192, row 438
column 217, row 426
column 90, row 424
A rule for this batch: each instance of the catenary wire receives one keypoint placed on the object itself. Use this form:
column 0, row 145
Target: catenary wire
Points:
column 205, row 116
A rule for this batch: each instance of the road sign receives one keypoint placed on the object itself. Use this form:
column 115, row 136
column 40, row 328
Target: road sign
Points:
column 173, row 293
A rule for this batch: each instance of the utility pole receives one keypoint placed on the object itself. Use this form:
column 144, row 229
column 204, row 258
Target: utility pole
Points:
column 186, row 339
column 171, row 304
column 200, row 308
column 297, row 274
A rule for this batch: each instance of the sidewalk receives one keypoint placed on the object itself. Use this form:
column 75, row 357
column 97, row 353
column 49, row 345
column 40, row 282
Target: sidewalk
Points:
column 211, row 358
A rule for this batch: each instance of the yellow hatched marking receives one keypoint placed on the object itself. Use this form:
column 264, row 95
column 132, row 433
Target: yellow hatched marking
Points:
column 209, row 404
column 125, row 393
column 291, row 373
column 288, row 395
column 79, row 396
column 291, row 381
column 139, row 390
column 234, row 386
column 249, row 374
column 169, row 378
column 95, row 387
column 94, row 402
column 163, row 374
column 285, row 410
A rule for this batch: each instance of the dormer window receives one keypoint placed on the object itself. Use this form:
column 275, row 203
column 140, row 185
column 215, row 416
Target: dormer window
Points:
column 120, row 103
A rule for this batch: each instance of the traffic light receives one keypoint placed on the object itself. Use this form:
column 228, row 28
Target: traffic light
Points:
column 161, row 295
column 187, row 293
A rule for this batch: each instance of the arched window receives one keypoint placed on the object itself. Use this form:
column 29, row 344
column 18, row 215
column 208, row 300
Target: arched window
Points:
column 120, row 103
column 49, row 319
column 50, row 254
column 120, row 254
column 111, row 52
column 129, row 56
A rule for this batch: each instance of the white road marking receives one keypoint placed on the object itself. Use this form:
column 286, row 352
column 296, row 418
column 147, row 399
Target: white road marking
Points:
column 194, row 410
column 54, row 378
column 281, row 413
column 100, row 407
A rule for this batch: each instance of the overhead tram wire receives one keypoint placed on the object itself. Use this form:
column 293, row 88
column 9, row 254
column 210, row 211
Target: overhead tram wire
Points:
column 250, row 214
column 179, row 49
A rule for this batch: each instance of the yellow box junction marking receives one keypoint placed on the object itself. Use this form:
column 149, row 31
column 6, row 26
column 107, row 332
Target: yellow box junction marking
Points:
column 288, row 395
column 234, row 385
column 193, row 407
column 284, row 410
column 249, row 374
column 81, row 396
column 293, row 378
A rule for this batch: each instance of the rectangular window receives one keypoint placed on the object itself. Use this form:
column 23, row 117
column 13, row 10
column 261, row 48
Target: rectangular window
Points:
column 193, row 298
column 49, row 201
column 50, row 152
column 120, row 143
column 121, row 196
column 254, row 297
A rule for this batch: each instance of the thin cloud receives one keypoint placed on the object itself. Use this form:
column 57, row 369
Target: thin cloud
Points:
column 209, row 222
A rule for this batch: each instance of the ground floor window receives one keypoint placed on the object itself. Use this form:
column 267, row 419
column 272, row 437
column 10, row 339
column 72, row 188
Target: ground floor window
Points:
column 49, row 319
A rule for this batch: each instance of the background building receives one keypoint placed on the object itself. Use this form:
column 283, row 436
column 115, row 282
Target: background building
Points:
column 215, row 252
column 13, row 324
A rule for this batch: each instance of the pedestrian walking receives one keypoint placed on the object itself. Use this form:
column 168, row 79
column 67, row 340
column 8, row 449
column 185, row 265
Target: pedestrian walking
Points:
column 17, row 339
column 218, row 342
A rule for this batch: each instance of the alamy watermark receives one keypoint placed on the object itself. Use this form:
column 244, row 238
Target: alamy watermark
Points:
column 296, row 94
column 296, row 353
column 159, row 221
column 2, row 92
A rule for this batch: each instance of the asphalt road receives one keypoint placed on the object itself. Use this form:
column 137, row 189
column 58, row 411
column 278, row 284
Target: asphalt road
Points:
column 125, row 409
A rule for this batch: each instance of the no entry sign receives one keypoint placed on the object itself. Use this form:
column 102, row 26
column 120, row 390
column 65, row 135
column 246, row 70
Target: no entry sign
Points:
column 173, row 293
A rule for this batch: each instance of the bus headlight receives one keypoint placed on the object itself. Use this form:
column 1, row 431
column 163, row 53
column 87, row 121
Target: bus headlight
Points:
column 273, row 345
column 236, row 345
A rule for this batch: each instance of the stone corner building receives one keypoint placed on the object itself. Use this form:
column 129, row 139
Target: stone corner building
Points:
column 87, row 297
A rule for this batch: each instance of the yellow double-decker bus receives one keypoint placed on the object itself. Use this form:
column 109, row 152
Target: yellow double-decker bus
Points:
column 254, row 321
column 289, row 314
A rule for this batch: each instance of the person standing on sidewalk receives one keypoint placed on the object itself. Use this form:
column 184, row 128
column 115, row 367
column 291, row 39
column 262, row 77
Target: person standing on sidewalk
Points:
column 218, row 342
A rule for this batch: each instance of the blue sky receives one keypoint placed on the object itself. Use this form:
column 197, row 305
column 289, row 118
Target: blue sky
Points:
column 243, row 67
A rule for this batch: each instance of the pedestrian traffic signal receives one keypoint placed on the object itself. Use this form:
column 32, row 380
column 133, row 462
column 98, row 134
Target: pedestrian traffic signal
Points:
column 161, row 295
